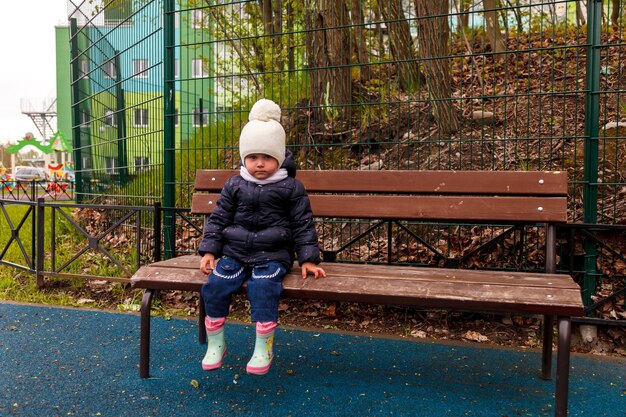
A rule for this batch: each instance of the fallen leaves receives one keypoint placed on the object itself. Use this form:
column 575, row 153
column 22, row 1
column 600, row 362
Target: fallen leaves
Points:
column 475, row 336
column 420, row 334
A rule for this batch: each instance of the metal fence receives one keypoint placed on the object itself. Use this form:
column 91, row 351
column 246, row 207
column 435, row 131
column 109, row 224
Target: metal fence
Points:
column 117, row 101
column 32, row 190
column 162, row 88
column 60, row 239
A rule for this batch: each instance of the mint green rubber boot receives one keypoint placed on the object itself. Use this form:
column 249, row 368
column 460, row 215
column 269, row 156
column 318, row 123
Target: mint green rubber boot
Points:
column 216, row 345
column 263, row 354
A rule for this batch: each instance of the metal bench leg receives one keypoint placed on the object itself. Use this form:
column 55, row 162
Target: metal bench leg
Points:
column 546, row 353
column 562, row 366
column 201, row 326
column 144, row 337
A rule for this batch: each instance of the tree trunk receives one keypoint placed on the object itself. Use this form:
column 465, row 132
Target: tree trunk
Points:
column 615, row 12
column 433, row 37
column 272, row 23
column 580, row 17
column 463, row 17
column 360, row 49
column 379, row 30
column 496, row 39
column 277, row 6
column 328, row 34
column 266, row 15
column 401, row 44
column 291, row 55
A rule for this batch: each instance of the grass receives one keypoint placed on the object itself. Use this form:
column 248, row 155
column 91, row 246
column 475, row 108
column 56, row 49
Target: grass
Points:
column 17, row 214
column 21, row 286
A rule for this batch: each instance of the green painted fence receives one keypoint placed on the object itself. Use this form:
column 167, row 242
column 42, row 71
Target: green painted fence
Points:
column 162, row 88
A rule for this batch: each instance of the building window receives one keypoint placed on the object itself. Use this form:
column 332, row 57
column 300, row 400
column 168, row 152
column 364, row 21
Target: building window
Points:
column 109, row 69
column 175, row 117
column 118, row 13
column 197, row 69
column 141, row 163
column 200, row 19
column 176, row 69
column 84, row 118
column 200, row 118
column 140, row 68
column 141, row 117
column 110, row 165
column 86, row 162
column 110, row 118
column 84, row 69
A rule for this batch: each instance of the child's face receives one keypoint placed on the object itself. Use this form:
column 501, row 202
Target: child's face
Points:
column 261, row 166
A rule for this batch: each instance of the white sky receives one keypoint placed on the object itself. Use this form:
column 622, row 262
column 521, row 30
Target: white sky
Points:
column 27, row 63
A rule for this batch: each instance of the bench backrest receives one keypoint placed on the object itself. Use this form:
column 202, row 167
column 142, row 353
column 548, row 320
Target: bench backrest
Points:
column 480, row 196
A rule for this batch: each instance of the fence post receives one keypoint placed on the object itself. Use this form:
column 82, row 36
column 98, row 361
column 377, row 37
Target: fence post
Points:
column 592, row 119
column 169, row 143
column 157, row 231
column 76, row 114
column 120, row 115
column 39, row 239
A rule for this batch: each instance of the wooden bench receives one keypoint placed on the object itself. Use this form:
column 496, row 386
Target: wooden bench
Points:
column 516, row 199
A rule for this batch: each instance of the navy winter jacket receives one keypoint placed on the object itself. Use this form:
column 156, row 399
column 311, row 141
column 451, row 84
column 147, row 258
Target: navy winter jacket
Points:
column 259, row 223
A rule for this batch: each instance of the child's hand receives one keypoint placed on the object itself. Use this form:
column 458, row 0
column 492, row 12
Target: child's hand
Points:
column 207, row 260
column 310, row 267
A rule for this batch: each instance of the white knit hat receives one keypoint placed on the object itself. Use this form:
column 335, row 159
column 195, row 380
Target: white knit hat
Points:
column 263, row 133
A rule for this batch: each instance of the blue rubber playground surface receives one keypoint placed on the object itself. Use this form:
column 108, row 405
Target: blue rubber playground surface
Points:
column 68, row 362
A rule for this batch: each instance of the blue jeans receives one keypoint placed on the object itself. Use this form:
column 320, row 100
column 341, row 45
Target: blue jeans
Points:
column 264, row 288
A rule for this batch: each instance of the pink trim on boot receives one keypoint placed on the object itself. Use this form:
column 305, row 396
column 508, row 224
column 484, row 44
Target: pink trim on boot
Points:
column 214, row 324
column 215, row 365
column 259, row 370
column 265, row 327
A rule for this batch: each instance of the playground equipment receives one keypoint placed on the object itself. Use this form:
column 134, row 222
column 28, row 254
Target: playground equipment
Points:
column 58, row 143
column 6, row 182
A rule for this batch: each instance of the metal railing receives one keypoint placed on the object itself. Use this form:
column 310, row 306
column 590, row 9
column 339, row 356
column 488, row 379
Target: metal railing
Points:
column 87, row 241
column 127, row 237
column 34, row 189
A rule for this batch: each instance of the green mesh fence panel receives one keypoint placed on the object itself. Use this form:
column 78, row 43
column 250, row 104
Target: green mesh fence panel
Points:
column 363, row 85
column 162, row 88
column 117, row 82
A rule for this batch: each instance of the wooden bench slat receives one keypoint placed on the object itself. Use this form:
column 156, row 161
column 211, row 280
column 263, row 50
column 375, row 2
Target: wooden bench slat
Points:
column 419, row 182
column 509, row 278
column 167, row 279
column 434, row 294
column 519, row 292
column 455, row 208
column 468, row 276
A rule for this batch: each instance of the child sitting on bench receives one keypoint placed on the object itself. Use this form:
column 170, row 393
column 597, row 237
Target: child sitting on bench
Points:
column 262, row 217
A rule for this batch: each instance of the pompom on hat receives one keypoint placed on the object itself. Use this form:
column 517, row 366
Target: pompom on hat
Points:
column 263, row 133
